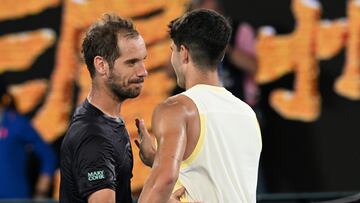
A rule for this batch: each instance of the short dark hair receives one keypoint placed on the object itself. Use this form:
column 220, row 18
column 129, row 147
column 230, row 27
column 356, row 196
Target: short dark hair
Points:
column 205, row 33
column 102, row 37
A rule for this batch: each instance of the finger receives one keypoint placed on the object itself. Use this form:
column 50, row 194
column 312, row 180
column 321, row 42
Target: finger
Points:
column 137, row 142
column 137, row 123
column 179, row 192
column 142, row 126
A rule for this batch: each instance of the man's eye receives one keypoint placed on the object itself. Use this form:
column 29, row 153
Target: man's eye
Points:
column 131, row 63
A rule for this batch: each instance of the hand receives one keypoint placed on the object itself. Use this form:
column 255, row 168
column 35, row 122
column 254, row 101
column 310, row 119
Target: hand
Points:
column 176, row 196
column 145, row 143
column 42, row 186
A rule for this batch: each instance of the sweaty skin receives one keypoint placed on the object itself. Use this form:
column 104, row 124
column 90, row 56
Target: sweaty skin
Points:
column 176, row 126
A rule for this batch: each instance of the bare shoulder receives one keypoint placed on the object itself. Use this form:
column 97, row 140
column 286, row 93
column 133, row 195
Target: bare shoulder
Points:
column 179, row 105
column 173, row 115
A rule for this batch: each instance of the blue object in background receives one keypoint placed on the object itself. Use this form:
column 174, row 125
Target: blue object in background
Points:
column 16, row 137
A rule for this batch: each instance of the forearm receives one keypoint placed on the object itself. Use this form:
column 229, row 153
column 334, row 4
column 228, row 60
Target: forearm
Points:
column 158, row 187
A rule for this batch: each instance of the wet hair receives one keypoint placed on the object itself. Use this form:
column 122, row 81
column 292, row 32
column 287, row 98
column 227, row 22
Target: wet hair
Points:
column 102, row 40
column 205, row 33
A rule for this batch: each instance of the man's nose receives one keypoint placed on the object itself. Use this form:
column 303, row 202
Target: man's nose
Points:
column 141, row 70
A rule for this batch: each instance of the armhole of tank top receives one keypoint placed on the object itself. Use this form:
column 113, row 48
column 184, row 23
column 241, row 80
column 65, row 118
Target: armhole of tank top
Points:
column 199, row 144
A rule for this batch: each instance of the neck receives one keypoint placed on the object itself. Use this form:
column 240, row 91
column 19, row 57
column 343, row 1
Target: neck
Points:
column 103, row 99
column 196, row 76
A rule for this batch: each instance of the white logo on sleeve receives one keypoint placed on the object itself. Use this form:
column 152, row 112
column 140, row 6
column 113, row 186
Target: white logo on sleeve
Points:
column 96, row 175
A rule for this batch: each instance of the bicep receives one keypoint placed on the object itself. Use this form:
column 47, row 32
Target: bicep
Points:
column 169, row 127
column 102, row 196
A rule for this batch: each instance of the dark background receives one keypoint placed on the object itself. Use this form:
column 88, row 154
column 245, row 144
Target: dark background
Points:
column 297, row 156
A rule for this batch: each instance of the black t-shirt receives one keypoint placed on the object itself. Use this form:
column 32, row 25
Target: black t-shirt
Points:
column 95, row 154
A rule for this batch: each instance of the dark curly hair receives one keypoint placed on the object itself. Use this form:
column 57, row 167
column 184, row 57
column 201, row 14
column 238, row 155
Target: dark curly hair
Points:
column 205, row 33
column 102, row 37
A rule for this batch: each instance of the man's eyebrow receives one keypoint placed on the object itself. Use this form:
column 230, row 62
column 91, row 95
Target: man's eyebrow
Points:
column 133, row 60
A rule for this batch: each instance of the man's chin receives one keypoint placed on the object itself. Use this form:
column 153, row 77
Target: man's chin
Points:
column 128, row 95
column 134, row 93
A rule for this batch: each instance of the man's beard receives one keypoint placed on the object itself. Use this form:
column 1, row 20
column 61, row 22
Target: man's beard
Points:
column 120, row 92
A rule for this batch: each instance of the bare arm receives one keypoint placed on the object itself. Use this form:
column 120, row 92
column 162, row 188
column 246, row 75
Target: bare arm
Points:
column 169, row 127
column 102, row 196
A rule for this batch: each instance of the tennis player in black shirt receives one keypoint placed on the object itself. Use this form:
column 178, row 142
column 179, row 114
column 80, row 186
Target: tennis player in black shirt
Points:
column 96, row 156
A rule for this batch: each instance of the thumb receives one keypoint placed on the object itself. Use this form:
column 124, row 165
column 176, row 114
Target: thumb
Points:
column 137, row 122
column 179, row 192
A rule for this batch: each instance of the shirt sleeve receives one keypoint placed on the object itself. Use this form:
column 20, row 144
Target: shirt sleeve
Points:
column 42, row 150
column 94, row 166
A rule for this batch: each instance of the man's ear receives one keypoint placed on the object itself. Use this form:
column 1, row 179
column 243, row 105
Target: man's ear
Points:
column 184, row 54
column 101, row 65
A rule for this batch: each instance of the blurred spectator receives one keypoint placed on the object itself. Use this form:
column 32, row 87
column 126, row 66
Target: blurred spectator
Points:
column 241, row 58
column 17, row 138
